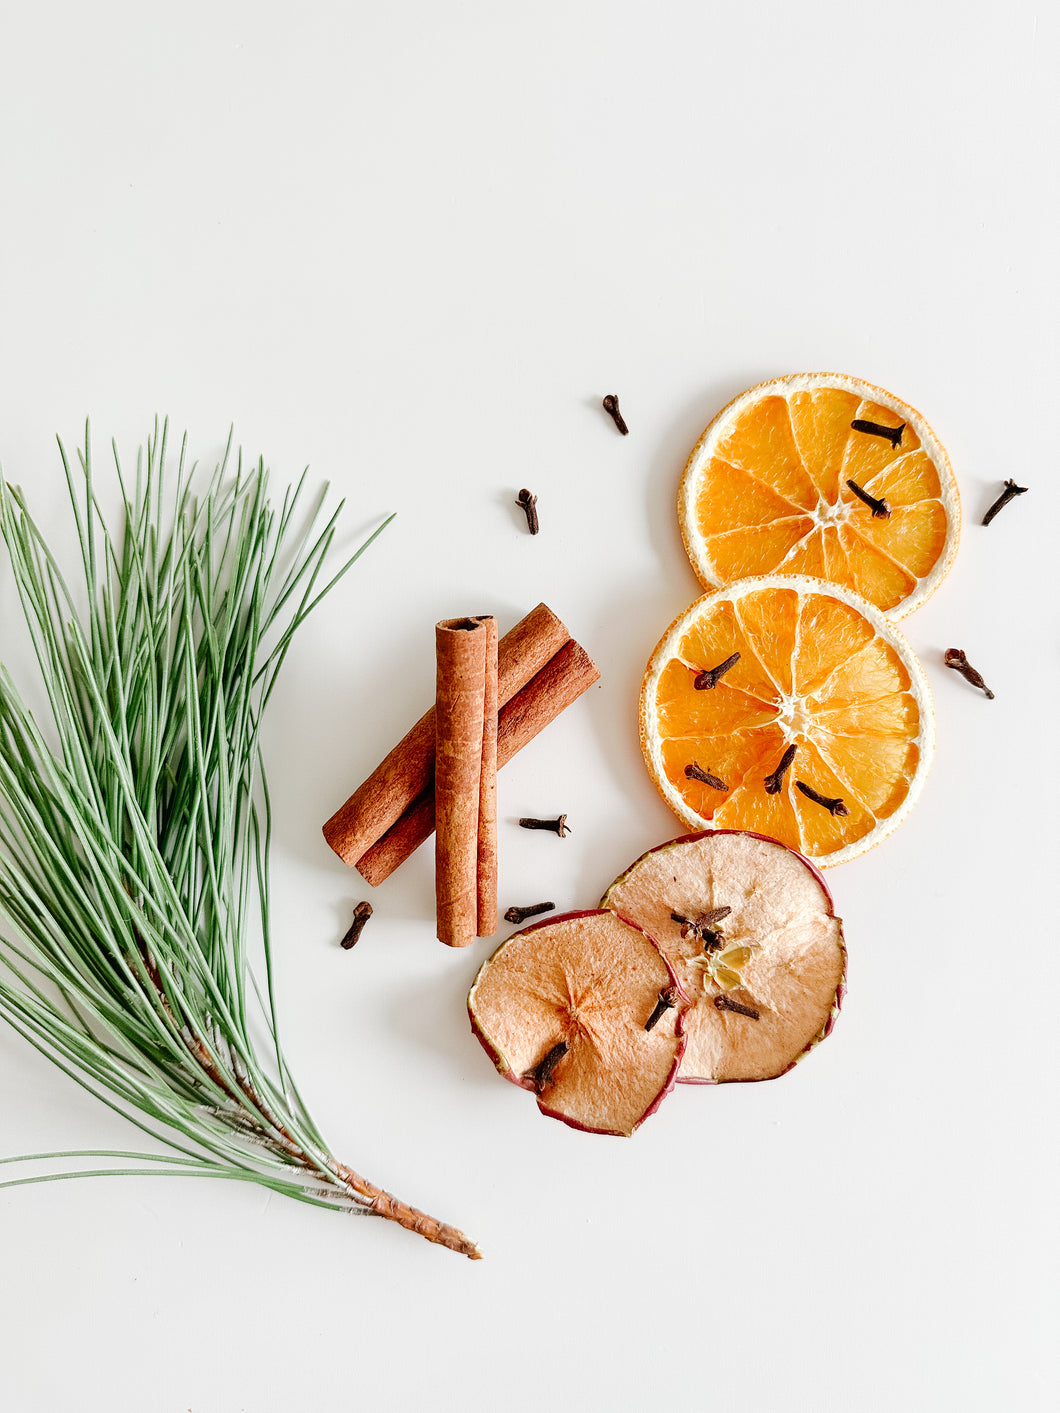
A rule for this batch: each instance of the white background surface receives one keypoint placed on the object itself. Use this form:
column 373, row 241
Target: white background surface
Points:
column 413, row 246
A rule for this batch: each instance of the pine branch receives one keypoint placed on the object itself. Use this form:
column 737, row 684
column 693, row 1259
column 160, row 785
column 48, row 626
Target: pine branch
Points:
column 134, row 853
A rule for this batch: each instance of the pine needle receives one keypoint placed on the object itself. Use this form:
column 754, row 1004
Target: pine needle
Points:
column 135, row 824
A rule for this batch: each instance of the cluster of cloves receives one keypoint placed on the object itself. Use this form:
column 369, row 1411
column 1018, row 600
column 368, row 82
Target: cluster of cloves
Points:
column 703, row 928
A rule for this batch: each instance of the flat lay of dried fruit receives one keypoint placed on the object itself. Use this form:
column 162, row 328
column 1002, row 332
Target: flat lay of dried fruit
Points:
column 783, row 708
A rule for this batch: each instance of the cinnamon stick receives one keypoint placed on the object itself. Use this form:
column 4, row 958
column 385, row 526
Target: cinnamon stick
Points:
column 459, row 710
column 559, row 683
column 408, row 770
column 487, row 809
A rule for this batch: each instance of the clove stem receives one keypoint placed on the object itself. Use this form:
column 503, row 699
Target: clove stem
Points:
column 696, row 772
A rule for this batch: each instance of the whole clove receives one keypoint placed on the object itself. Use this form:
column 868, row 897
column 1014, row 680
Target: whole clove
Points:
column 877, row 429
column 529, row 504
column 361, row 913
column 668, row 998
column 724, row 1003
column 955, row 658
column 707, row 919
column 1010, row 492
column 775, row 781
column 707, row 680
column 702, row 927
column 556, row 826
column 541, row 1074
column 696, row 772
column 611, row 408
column 521, row 914
column 835, row 806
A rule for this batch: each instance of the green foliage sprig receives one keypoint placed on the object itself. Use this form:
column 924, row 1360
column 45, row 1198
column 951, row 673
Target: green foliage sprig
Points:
column 135, row 828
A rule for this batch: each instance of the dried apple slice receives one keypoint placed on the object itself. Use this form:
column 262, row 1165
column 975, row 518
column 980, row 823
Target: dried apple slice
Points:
column 585, row 1011
column 748, row 926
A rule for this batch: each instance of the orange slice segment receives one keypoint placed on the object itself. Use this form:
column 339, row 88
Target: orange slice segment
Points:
column 767, row 490
column 819, row 669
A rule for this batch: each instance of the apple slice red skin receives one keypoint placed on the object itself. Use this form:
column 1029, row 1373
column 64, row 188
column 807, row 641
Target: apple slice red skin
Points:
column 525, row 1082
column 841, row 987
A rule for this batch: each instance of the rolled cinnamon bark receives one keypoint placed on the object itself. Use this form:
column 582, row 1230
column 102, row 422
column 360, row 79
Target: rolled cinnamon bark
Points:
column 487, row 809
column 409, row 768
column 561, row 681
column 459, row 708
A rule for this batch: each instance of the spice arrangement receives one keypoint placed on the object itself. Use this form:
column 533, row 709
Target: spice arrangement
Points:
column 783, row 717
column 784, row 706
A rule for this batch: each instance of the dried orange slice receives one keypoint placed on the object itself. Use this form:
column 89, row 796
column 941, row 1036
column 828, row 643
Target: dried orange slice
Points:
column 748, row 926
column 768, row 490
column 818, row 669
